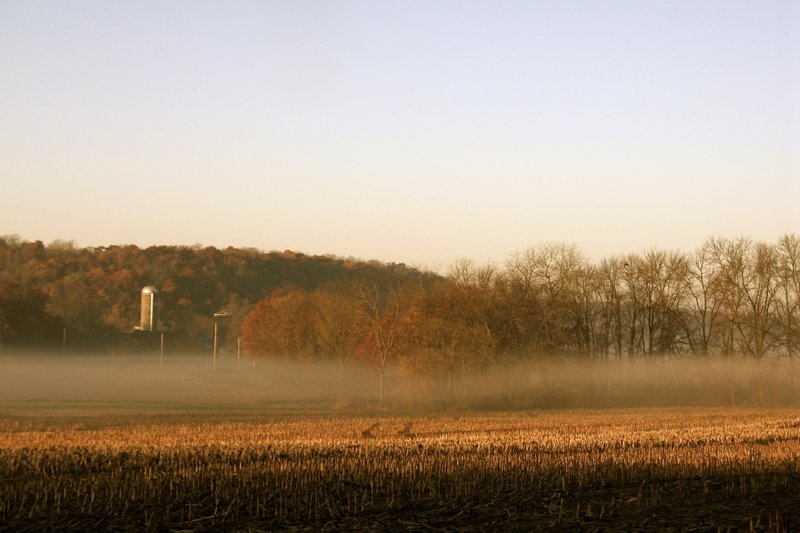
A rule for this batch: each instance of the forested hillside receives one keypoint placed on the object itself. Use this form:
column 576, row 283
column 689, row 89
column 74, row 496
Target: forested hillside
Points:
column 737, row 299
column 94, row 292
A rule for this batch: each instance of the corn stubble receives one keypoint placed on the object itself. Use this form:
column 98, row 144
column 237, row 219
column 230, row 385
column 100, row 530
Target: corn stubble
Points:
column 638, row 469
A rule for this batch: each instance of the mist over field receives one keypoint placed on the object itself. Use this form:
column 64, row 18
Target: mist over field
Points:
column 120, row 442
column 182, row 380
column 188, row 381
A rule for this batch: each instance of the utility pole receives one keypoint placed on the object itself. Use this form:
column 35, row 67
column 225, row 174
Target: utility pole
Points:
column 218, row 315
column 214, row 359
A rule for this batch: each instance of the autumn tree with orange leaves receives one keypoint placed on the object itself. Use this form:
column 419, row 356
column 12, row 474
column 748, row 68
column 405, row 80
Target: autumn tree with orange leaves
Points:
column 279, row 327
column 444, row 336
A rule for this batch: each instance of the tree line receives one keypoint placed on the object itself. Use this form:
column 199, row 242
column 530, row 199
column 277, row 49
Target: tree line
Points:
column 730, row 297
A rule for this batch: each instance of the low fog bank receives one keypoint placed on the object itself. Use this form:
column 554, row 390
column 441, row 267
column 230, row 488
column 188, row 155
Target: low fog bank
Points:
column 197, row 380
column 176, row 380
column 639, row 383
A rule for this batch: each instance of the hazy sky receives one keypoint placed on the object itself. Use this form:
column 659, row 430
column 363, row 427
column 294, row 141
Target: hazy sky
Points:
column 409, row 131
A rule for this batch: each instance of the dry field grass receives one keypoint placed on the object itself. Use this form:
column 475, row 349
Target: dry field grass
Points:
column 707, row 469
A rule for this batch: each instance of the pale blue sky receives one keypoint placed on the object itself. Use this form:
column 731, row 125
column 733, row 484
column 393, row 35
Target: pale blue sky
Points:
column 413, row 131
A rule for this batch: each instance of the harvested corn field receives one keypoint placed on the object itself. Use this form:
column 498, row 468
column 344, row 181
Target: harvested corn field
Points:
column 701, row 469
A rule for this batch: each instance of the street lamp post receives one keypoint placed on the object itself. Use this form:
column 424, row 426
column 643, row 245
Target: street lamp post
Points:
column 217, row 316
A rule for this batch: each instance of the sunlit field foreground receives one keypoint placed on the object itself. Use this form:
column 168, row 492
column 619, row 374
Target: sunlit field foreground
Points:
column 648, row 469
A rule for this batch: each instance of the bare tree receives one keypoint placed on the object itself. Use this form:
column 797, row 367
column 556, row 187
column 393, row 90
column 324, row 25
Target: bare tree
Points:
column 663, row 275
column 750, row 274
column 703, row 300
column 339, row 326
column 383, row 310
column 611, row 300
column 634, row 294
column 463, row 273
column 788, row 301
column 590, row 337
column 544, row 285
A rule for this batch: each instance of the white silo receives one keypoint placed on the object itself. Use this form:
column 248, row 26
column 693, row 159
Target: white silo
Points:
column 149, row 317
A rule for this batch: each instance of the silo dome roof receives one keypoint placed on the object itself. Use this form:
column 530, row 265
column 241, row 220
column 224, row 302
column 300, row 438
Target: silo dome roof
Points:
column 149, row 290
